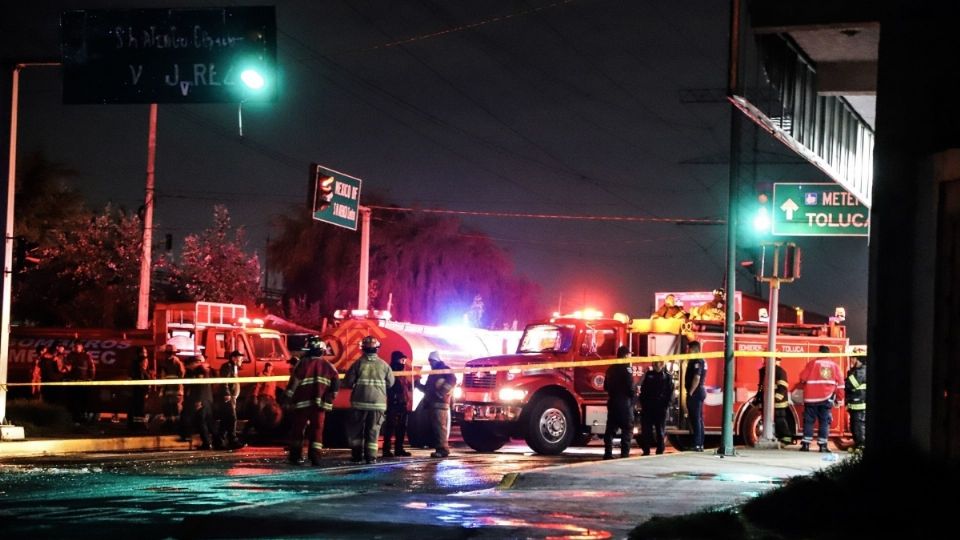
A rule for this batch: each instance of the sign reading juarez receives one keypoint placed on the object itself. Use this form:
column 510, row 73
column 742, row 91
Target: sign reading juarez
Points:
column 199, row 55
column 818, row 210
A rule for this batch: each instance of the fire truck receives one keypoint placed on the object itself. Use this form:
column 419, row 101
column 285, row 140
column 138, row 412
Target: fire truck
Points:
column 214, row 328
column 552, row 408
column 456, row 345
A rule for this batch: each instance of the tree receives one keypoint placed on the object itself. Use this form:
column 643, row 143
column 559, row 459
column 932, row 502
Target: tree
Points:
column 432, row 268
column 88, row 274
column 214, row 265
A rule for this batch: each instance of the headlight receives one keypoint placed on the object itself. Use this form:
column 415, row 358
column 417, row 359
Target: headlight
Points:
column 457, row 392
column 512, row 394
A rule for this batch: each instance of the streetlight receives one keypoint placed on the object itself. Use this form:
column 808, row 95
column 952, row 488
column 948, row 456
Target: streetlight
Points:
column 253, row 79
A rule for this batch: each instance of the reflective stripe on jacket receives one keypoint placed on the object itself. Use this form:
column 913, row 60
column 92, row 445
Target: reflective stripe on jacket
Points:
column 856, row 387
column 314, row 383
column 369, row 377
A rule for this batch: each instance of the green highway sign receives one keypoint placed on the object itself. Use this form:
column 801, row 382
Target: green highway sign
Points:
column 334, row 196
column 817, row 210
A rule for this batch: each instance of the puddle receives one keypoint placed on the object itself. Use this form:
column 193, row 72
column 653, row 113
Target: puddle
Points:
column 725, row 477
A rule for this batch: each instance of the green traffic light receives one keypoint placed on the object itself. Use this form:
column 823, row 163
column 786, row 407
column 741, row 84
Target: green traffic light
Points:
column 761, row 221
column 253, row 79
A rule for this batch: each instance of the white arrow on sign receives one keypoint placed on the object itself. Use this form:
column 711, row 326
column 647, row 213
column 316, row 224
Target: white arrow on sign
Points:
column 789, row 207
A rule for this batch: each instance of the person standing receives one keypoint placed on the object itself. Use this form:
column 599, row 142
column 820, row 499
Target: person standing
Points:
column 198, row 403
column 369, row 377
column 437, row 396
column 139, row 371
column 694, row 379
column 856, row 394
column 618, row 384
column 51, row 370
column 822, row 384
column 227, row 408
column 171, row 367
column 310, row 392
column 399, row 399
column 81, row 368
column 781, row 401
column 656, row 393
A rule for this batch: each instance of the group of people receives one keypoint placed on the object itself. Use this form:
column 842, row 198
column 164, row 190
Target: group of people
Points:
column 378, row 398
column 193, row 408
column 55, row 364
column 823, row 385
column 714, row 310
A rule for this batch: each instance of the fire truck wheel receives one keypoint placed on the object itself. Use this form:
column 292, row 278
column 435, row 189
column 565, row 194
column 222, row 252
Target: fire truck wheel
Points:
column 481, row 437
column 550, row 426
column 751, row 426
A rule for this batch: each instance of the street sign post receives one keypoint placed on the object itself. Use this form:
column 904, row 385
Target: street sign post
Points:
column 801, row 209
column 195, row 55
column 343, row 204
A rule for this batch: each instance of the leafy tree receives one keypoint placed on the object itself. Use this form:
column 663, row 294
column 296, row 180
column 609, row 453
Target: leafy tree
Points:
column 431, row 267
column 88, row 274
column 214, row 265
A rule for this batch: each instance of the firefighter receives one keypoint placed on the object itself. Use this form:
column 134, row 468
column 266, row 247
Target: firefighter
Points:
column 822, row 385
column 656, row 392
column 171, row 367
column 856, row 394
column 399, row 399
column 669, row 309
column 712, row 310
column 369, row 377
column 227, row 408
column 51, row 370
column 310, row 392
column 618, row 384
column 437, row 395
column 780, row 401
column 694, row 379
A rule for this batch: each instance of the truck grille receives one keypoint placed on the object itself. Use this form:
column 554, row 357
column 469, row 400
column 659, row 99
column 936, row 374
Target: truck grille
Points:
column 479, row 380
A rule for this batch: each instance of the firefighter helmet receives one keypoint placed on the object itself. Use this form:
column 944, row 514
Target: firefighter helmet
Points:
column 314, row 346
column 370, row 345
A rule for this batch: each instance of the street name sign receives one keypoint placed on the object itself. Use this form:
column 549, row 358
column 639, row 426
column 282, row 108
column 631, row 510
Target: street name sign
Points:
column 341, row 206
column 168, row 55
column 817, row 209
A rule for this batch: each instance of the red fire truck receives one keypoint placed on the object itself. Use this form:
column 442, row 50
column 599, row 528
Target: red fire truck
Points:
column 554, row 408
column 215, row 328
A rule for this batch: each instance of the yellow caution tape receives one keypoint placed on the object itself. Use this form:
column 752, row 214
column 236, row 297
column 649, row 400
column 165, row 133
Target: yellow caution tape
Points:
column 479, row 369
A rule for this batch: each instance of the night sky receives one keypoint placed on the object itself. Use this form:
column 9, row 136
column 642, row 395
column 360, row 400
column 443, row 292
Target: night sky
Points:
column 544, row 106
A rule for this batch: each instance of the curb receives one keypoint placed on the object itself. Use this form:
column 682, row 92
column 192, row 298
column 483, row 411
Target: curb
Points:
column 510, row 480
column 47, row 447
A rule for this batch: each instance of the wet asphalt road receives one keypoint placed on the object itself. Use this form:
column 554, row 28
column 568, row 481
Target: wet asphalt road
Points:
column 253, row 492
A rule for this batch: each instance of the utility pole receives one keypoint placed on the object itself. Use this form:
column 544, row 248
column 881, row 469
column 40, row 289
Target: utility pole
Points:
column 143, row 300
column 363, row 297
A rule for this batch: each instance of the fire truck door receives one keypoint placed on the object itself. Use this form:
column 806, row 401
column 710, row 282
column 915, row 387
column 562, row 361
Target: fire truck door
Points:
column 597, row 343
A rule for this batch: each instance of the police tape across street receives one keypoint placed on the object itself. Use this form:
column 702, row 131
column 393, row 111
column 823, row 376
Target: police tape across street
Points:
column 463, row 370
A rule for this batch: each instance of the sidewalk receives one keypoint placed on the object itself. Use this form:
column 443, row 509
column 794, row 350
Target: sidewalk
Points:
column 86, row 443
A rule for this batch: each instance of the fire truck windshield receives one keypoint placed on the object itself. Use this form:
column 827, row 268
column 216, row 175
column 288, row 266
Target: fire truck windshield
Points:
column 540, row 338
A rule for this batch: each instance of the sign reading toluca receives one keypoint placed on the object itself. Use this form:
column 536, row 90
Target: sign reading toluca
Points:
column 168, row 55
column 818, row 210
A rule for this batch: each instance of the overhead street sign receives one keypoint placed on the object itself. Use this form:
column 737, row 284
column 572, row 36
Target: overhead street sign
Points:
column 336, row 202
column 194, row 55
column 817, row 210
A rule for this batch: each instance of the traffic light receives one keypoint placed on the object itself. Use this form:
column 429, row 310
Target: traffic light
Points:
column 761, row 218
column 791, row 261
column 21, row 254
column 321, row 188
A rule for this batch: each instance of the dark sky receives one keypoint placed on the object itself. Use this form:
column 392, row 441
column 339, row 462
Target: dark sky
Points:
column 548, row 106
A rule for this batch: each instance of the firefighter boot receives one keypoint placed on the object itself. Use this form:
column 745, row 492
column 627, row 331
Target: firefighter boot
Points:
column 824, row 449
column 804, row 447
column 313, row 455
column 356, row 455
column 608, row 451
column 294, row 455
column 386, row 451
column 400, row 452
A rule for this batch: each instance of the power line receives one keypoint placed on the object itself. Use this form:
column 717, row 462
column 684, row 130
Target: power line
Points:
column 525, row 215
